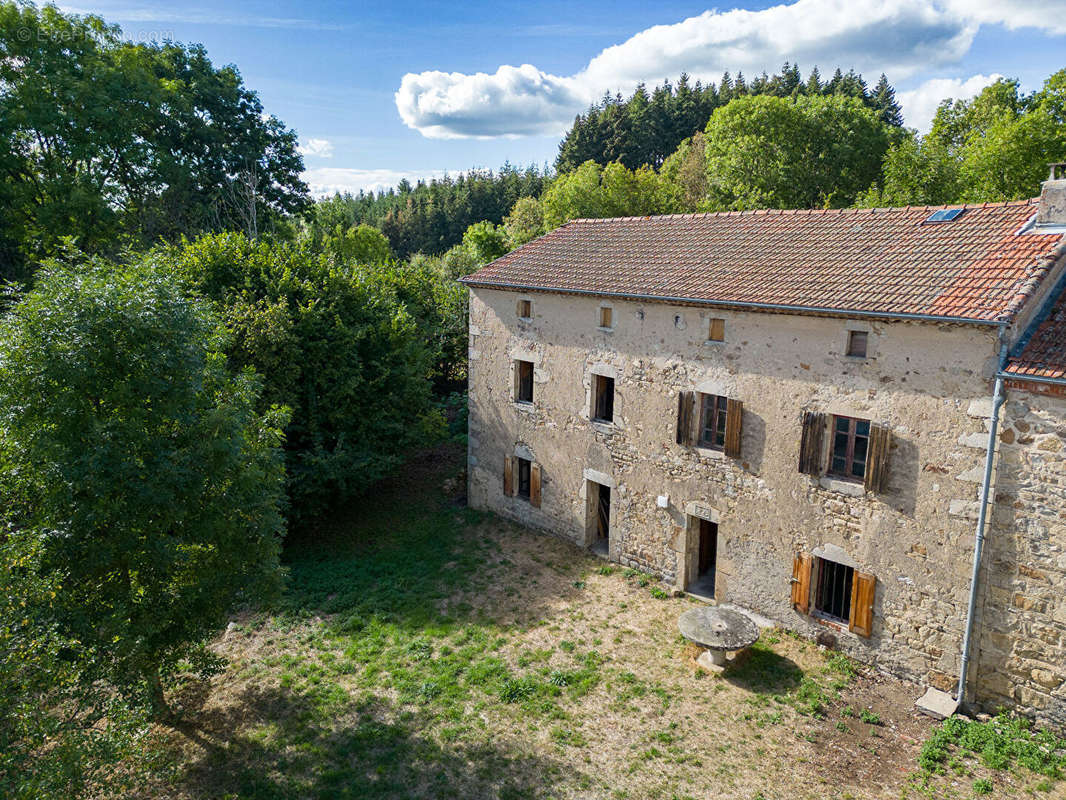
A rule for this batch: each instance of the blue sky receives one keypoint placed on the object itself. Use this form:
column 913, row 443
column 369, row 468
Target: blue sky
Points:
column 380, row 91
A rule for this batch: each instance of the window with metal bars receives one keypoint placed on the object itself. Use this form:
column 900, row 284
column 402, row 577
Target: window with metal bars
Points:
column 832, row 596
column 523, row 381
column 712, row 421
column 851, row 441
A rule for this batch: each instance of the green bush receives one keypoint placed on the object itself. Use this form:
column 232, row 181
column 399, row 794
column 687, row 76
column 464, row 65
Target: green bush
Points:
column 335, row 342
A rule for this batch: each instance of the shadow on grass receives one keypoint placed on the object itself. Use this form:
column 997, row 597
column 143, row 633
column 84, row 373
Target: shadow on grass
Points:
column 271, row 743
column 399, row 554
column 766, row 672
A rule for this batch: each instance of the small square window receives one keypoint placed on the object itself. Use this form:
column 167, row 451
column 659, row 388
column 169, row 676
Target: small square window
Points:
column 524, row 469
column 523, row 381
column 851, row 440
column 832, row 596
column 605, row 317
column 525, row 309
column 857, row 341
column 603, row 398
column 716, row 331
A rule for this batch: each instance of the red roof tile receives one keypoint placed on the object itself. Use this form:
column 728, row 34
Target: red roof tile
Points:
column 1044, row 355
column 872, row 261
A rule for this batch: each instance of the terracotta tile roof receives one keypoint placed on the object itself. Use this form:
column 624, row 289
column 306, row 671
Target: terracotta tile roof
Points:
column 1044, row 355
column 873, row 261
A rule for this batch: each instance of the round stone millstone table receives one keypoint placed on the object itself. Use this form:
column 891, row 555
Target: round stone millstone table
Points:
column 720, row 631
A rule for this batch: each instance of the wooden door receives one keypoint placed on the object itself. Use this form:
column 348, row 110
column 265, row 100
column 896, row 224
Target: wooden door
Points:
column 603, row 514
column 708, row 553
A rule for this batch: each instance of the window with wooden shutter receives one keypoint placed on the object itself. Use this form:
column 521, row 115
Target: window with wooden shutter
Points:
column 810, row 460
column 863, row 588
column 508, row 476
column 801, row 583
column 733, row 420
column 877, row 458
column 534, row 485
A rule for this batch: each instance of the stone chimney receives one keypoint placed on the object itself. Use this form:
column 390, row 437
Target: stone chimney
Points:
column 1051, row 213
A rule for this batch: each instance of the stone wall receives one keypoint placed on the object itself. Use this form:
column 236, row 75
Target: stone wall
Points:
column 930, row 384
column 1022, row 646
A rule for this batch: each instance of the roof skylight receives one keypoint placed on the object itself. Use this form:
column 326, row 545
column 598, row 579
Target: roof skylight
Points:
column 945, row 215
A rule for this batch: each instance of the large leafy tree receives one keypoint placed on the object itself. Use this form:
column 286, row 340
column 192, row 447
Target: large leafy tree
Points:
column 139, row 465
column 809, row 152
column 993, row 147
column 116, row 143
column 337, row 342
column 611, row 191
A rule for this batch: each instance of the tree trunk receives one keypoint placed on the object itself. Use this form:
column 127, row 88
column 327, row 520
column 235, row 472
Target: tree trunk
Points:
column 161, row 712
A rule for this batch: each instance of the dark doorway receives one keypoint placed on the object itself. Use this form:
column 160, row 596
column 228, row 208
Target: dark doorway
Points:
column 601, row 544
column 706, row 560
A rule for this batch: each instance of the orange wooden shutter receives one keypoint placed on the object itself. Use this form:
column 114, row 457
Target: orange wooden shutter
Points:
column 534, row 485
column 508, row 476
column 801, row 583
column 733, row 418
column 717, row 331
column 863, row 587
column 877, row 458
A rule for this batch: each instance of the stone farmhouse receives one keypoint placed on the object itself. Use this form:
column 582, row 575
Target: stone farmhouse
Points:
column 851, row 422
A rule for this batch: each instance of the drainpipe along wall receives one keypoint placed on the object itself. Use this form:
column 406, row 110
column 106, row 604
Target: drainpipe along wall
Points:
column 982, row 517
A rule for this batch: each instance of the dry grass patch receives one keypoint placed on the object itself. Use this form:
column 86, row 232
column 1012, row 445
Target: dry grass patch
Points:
column 428, row 651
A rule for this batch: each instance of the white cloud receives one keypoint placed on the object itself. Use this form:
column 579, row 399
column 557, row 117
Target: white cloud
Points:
column 900, row 37
column 316, row 148
column 515, row 101
column 1047, row 15
column 327, row 181
column 920, row 104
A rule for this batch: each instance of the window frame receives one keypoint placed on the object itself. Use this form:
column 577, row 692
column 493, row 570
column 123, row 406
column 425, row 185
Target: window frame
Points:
column 528, row 307
column 520, row 382
column 524, row 465
column 719, row 420
column 847, row 471
column 836, row 572
column 849, row 349
column 599, row 384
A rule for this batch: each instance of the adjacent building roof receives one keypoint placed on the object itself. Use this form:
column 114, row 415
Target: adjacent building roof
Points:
column 883, row 262
column 1043, row 358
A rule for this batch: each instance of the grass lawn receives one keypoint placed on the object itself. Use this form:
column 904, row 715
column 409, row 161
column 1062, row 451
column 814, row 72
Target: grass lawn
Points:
column 425, row 650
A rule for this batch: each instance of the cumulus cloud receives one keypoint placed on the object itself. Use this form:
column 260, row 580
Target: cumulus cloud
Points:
column 920, row 104
column 514, row 101
column 896, row 36
column 327, row 181
column 1046, row 15
column 317, row 148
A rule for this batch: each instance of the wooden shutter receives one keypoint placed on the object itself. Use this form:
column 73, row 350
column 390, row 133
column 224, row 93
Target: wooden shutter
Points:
column 801, row 583
column 877, row 458
column 733, row 418
column 810, row 460
column 684, row 418
column 534, row 485
column 717, row 331
column 863, row 586
column 508, row 476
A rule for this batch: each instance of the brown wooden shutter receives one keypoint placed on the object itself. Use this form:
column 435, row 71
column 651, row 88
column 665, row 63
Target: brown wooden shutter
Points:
column 801, row 583
column 534, row 485
column 877, row 458
column 863, row 587
column 684, row 418
column 810, row 460
column 508, row 476
column 717, row 331
column 734, row 417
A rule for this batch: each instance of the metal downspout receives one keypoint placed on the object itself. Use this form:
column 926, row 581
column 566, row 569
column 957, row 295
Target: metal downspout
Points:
column 982, row 515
